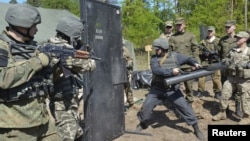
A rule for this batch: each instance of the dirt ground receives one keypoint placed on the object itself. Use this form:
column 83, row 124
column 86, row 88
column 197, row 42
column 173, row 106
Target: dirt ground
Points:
column 165, row 126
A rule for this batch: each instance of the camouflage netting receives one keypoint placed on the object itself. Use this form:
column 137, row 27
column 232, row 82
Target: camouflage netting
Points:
column 46, row 29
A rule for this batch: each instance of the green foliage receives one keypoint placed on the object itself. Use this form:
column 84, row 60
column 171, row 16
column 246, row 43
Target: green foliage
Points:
column 70, row 5
column 143, row 20
column 13, row 2
column 212, row 12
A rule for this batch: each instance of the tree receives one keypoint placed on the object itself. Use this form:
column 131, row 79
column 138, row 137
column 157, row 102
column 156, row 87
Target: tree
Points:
column 139, row 23
column 13, row 2
column 70, row 5
column 35, row 3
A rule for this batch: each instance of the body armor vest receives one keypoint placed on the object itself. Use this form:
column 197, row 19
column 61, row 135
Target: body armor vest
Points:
column 169, row 63
column 64, row 88
column 29, row 90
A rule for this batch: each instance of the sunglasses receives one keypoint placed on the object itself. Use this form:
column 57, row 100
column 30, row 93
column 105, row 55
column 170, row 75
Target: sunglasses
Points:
column 168, row 26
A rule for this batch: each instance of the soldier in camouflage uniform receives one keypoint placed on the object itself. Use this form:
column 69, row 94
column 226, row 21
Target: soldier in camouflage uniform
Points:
column 211, row 43
column 24, row 116
column 129, row 67
column 185, row 43
column 238, row 78
column 168, row 30
column 64, row 101
column 226, row 43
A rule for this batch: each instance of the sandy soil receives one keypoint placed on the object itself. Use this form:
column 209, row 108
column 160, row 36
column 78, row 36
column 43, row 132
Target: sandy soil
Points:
column 167, row 127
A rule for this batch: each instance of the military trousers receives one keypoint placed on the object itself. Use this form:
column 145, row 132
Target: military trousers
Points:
column 216, row 79
column 189, row 90
column 224, row 76
column 46, row 132
column 243, row 90
column 129, row 93
column 157, row 95
column 67, row 119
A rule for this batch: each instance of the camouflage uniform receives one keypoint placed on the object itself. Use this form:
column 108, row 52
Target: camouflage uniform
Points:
column 225, row 44
column 129, row 67
column 64, row 100
column 185, row 43
column 211, row 44
column 24, row 115
column 168, row 30
column 238, row 72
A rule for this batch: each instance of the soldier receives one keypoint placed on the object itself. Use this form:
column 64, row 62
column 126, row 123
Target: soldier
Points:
column 64, row 100
column 24, row 115
column 211, row 43
column 185, row 43
column 238, row 77
column 226, row 43
column 168, row 30
column 129, row 71
column 164, row 64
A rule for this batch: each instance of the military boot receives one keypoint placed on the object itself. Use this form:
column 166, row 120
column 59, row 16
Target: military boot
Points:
column 198, row 132
column 238, row 111
column 245, row 120
column 141, row 127
column 220, row 116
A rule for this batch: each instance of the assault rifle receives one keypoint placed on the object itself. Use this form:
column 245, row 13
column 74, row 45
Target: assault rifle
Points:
column 60, row 52
column 207, row 54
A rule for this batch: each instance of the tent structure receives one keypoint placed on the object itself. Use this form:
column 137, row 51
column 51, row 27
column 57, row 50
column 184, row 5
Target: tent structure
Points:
column 46, row 29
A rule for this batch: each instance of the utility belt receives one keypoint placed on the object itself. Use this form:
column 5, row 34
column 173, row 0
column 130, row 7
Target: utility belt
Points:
column 23, row 92
column 159, row 81
column 242, row 73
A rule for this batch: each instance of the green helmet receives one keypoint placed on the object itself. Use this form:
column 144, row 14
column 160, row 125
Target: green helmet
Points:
column 22, row 15
column 70, row 26
column 160, row 43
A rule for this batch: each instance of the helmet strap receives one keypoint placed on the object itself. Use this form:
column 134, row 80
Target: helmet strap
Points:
column 21, row 33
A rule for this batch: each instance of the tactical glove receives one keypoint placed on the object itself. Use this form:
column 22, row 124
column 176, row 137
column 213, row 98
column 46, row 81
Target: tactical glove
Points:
column 80, row 65
column 44, row 58
column 226, row 62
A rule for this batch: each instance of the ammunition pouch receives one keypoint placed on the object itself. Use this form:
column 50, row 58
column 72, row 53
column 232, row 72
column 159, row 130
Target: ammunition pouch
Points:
column 66, row 88
column 246, row 73
column 231, row 71
column 21, row 93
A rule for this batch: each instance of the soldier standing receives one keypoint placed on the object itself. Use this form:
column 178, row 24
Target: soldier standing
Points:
column 238, row 78
column 185, row 43
column 164, row 64
column 168, row 30
column 129, row 71
column 64, row 100
column 226, row 43
column 211, row 43
column 24, row 115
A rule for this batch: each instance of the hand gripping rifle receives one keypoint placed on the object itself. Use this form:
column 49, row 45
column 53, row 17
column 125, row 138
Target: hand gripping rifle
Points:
column 59, row 52
column 207, row 54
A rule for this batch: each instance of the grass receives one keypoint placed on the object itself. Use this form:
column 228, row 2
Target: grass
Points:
column 142, row 61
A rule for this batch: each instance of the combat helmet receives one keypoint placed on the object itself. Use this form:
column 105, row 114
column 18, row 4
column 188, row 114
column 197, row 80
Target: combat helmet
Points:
column 70, row 26
column 160, row 43
column 22, row 15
